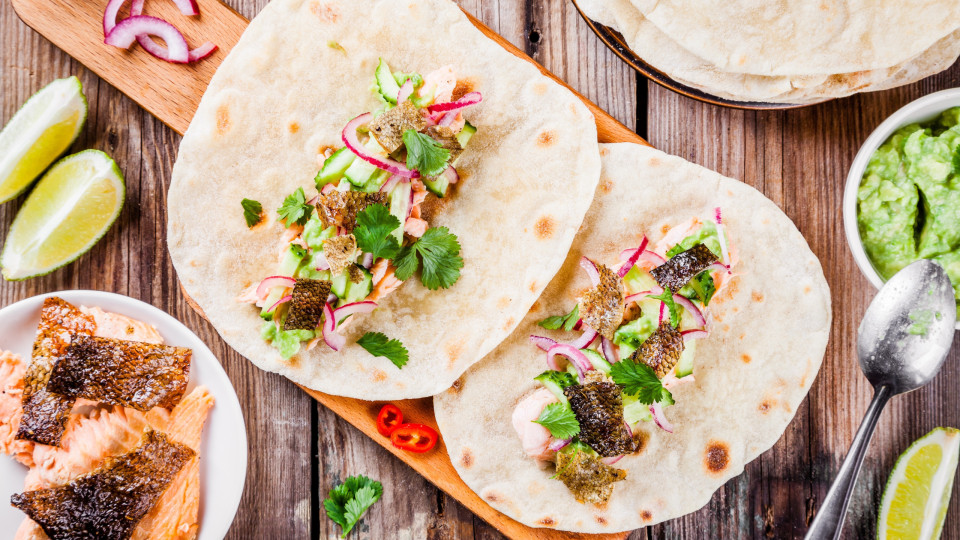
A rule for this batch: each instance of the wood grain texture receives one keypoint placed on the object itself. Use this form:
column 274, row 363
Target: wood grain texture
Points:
column 299, row 449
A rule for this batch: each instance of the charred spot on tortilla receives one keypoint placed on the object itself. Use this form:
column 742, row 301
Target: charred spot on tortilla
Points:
column 589, row 479
column 306, row 304
column 547, row 522
column 388, row 128
column 601, row 307
column 684, row 266
column 340, row 208
column 120, row 372
column 340, row 252
column 598, row 407
column 717, row 457
column 546, row 139
column 661, row 351
column 447, row 139
column 466, row 457
column 109, row 502
column 544, row 227
column 45, row 414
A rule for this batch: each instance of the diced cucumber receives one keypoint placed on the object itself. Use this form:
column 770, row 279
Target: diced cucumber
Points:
column 685, row 363
column 288, row 267
column 386, row 83
column 356, row 292
column 376, row 181
column 399, row 204
column 466, row 134
column 359, row 173
column 556, row 381
column 334, row 167
column 338, row 284
column 599, row 362
column 437, row 185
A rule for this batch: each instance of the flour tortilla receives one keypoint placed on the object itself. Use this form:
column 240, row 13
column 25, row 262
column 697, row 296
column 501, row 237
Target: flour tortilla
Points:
column 669, row 57
column 803, row 38
column 300, row 72
column 768, row 335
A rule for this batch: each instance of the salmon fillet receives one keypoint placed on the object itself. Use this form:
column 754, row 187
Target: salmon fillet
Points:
column 12, row 371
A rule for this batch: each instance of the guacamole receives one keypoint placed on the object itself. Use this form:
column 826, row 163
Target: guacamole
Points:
column 908, row 204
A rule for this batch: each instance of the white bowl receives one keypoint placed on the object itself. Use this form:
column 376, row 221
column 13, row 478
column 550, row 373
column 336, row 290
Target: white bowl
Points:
column 922, row 110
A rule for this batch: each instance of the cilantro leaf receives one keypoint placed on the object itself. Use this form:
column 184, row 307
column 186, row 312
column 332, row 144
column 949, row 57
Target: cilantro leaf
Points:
column 639, row 379
column 667, row 298
column 440, row 251
column 424, row 153
column 377, row 344
column 374, row 232
column 560, row 420
column 252, row 212
column 295, row 208
column 567, row 322
column 346, row 503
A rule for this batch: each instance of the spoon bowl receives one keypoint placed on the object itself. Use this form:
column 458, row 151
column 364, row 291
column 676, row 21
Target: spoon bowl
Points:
column 902, row 342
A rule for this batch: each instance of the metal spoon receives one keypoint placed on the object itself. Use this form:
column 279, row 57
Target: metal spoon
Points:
column 903, row 340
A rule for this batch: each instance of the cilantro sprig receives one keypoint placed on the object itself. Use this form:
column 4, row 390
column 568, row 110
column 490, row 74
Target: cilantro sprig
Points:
column 567, row 322
column 439, row 251
column 295, row 208
column 560, row 420
column 667, row 298
column 638, row 379
column 378, row 344
column 347, row 502
column 424, row 153
column 252, row 212
column 374, row 232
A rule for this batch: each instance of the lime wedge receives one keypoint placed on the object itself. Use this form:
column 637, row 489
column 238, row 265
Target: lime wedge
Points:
column 39, row 133
column 915, row 500
column 71, row 208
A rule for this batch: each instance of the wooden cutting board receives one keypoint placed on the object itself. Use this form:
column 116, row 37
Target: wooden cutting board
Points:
column 172, row 93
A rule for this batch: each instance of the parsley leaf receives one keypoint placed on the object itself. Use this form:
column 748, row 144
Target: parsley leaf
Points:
column 347, row 502
column 377, row 344
column 295, row 208
column 252, row 212
column 560, row 420
column 638, row 379
column 440, row 252
column 667, row 298
column 567, row 322
column 424, row 153
column 374, row 232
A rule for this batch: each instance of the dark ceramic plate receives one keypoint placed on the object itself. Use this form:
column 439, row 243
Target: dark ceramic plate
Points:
column 615, row 41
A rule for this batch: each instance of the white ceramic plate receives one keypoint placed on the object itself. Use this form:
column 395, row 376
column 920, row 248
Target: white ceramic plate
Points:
column 223, row 452
column 921, row 110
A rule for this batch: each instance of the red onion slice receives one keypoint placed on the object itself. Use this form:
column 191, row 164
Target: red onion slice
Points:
column 187, row 7
column 557, row 444
column 589, row 335
column 274, row 281
column 659, row 418
column 642, row 294
column 718, row 267
column 388, row 186
column 126, row 31
column 452, row 175
column 691, row 308
column 632, row 260
column 282, row 300
column 544, row 343
column 663, row 307
column 352, row 142
column 628, row 428
column 722, row 237
column 694, row 334
column 647, row 255
column 448, row 118
column 609, row 352
column 576, row 357
column 405, row 91
column 200, row 52
column 352, row 309
column 611, row 460
column 591, row 269
column 367, row 260
column 330, row 336
column 111, row 12
column 467, row 100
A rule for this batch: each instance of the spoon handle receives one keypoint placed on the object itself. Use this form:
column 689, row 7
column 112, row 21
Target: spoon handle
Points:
column 828, row 522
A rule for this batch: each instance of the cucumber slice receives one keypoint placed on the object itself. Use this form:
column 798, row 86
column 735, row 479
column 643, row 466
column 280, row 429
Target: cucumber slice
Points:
column 466, row 134
column 386, row 84
column 338, row 285
column 356, row 292
column 437, row 185
column 360, row 173
column 685, row 364
column 599, row 362
column 334, row 167
column 399, row 204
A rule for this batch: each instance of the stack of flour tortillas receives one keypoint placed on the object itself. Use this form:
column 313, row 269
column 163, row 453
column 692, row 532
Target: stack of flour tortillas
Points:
column 787, row 52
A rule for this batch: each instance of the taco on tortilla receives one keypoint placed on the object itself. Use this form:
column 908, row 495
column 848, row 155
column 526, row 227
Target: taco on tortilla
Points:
column 672, row 348
column 370, row 212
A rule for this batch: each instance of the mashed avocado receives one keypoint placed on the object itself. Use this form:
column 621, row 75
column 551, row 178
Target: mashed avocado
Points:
column 909, row 199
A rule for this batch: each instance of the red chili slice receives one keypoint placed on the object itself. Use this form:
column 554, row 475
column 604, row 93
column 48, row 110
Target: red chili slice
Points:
column 414, row 438
column 389, row 418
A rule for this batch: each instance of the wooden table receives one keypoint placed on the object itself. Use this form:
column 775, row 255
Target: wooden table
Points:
column 298, row 449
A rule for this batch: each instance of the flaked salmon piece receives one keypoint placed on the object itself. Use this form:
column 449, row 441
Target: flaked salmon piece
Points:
column 176, row 514
column 415, row 227
column 116, row 326
column 385, row 285
column 12, row 371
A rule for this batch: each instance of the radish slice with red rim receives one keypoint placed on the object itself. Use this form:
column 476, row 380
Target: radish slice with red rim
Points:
column 274, row 281
column 345, row 311
column 405, row 91
column 608, row 350
column 352, row 142
column 330, row 336
column 659, row 418
column 277, row 304
column 589, row 335
column 544, row 343
column 126, row 32
column 632, row 260
column 467, row 100
column 577, row 358
column 590, row 268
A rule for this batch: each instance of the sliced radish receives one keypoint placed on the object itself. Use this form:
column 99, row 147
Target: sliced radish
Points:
column 330, row 336
column 352, row 142
column 590, row 268
column 126, row 32
column 576, row 357
column 632, row 260
column 608, row 351
column 659, row 418
column 345, row 311
column 405, row 91
column 467, row 100
column 544, row 343
column 589, row 335
column 274, row 281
